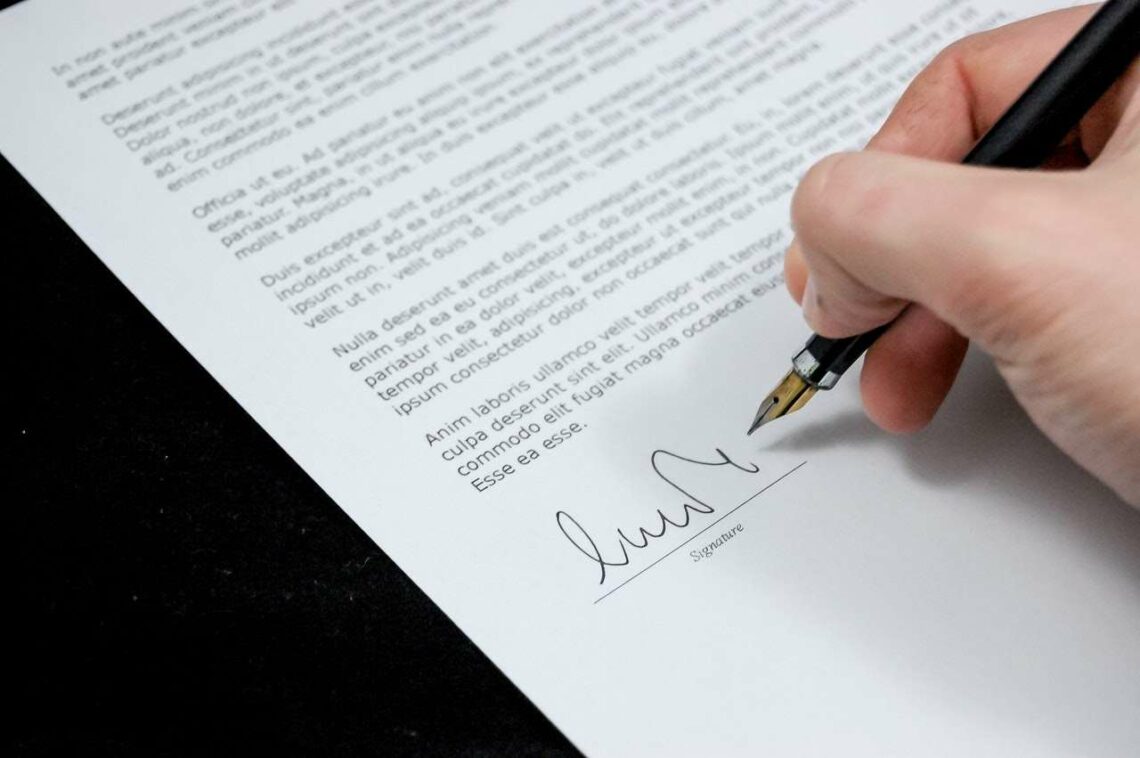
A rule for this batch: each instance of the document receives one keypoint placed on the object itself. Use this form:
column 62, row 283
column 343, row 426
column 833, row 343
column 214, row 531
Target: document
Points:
column 505, row 278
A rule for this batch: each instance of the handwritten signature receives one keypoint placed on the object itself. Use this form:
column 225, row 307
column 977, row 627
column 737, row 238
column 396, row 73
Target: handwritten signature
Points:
column 617, row 552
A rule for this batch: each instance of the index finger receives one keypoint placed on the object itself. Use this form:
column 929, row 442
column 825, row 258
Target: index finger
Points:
column 961, row 94
column 970, row 84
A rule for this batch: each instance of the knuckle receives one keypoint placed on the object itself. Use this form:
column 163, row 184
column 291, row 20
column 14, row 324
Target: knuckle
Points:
column 951, row 56
column 920, row 121
column 961, row 51
column 943, row 64
column 944, row 69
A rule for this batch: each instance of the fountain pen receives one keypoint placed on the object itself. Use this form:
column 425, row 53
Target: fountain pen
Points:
column 1022, row 138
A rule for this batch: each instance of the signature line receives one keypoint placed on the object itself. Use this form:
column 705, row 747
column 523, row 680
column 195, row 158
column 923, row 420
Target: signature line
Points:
column 752, row 497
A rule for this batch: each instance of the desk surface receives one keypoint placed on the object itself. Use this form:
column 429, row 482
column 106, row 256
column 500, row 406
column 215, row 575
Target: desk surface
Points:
column 182, row 587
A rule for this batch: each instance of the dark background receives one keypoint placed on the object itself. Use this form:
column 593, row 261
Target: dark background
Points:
column 181, row 586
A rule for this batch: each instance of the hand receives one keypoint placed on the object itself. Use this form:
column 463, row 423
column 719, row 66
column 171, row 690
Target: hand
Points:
column 1041, row 269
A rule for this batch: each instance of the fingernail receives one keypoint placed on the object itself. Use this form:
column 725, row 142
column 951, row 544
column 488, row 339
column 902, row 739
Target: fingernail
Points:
column 811, row 307
column 791, row 246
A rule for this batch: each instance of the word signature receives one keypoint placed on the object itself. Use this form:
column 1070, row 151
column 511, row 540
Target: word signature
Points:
column 616, row 551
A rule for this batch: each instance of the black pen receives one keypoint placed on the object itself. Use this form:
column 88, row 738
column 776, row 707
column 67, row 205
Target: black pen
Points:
column 1021, row 138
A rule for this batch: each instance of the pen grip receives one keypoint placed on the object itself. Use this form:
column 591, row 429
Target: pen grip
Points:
column 823, row 360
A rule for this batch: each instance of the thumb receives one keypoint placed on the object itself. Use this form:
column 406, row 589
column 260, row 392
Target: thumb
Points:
column 879, row 230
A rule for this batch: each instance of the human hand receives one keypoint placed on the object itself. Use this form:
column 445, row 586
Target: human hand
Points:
column 1041, row 269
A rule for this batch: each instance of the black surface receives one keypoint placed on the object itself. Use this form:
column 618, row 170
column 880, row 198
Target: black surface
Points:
column 181, row 586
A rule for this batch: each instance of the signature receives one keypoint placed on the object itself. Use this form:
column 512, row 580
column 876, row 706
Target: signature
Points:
column 617, row 548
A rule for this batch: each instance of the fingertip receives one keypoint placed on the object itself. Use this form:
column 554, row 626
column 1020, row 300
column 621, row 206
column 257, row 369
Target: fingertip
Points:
column 795, row 271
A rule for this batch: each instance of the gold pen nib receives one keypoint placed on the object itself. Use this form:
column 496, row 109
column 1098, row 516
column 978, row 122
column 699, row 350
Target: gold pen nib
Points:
column 789, row 396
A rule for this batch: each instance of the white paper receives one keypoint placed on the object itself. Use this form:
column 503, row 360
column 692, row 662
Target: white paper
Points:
column 296, row 187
